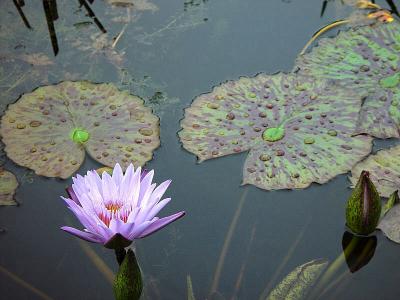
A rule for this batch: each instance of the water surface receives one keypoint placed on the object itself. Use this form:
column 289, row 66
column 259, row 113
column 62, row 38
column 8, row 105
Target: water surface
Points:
column 168, row 55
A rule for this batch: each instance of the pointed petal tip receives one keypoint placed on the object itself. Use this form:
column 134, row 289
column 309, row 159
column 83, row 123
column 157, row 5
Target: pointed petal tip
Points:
column 161, row 223
column 86, row 236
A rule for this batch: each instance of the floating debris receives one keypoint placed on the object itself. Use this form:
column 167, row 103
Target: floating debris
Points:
column 298, row 130
column 365, row 59
column 8, row 185
column 49, row 129
column 384, row 169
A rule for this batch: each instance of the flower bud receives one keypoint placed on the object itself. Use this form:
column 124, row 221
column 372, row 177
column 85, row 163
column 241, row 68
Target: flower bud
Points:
column 363, row 207
column 128, row 283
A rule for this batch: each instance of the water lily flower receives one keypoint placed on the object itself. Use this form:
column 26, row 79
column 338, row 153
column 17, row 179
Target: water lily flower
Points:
column 116, row 209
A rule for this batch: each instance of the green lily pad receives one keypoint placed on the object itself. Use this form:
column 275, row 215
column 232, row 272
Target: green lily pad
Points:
column 298, row 130
column 384, row 169
column 50, row 129
column 8, row 185
column 297, row 285
column 390, row 224
column 365, row 59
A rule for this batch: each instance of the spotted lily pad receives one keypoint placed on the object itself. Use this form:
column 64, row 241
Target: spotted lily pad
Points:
column 297, row 130
column 390, row 224
column 49, row 129
column 8, row 185
column 384, row 169
column 365, row 59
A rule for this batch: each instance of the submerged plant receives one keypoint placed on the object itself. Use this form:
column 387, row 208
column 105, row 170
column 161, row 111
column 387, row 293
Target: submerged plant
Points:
column 115, row 210
column 49, row 129
column 366, row 60
column 363, row 208
column 297, row 130
column 298, row 283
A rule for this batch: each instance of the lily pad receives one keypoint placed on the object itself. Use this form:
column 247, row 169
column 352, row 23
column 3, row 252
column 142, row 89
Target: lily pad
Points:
column 390, row 224
column 298, row 130
column 365, row 59
column 49, row 129
column 384, row 169
column 8, row 185
column 297, row 285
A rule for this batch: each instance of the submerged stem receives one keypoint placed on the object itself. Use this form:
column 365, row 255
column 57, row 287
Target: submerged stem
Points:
column 227, row 242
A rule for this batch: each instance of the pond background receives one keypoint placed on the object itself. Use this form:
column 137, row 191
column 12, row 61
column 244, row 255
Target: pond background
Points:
column 169, row 63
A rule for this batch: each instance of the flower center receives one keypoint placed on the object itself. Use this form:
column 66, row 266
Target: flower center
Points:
column 273, row 134
column 113, row 211
column 113, row 207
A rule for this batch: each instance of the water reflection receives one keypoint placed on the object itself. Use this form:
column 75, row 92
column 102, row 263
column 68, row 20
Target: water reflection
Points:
column 50, row 10
column 19, row 4
column 358, row 250
column 51, row 13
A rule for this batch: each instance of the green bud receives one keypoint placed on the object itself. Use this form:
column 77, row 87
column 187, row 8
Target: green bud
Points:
column 128, row 283
column 363, row 207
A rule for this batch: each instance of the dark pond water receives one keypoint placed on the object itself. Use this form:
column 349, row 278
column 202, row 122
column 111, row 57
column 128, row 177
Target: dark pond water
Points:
column 171, row 52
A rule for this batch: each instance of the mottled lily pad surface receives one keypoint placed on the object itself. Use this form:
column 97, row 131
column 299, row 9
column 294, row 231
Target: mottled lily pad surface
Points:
column 390, row 224
column 297, row 130
column 8, row 185
column 50, row 129
column 365, row 59
column 384, row 169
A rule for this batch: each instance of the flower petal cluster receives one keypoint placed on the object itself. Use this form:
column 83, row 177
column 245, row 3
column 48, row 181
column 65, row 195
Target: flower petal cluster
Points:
column 116, row 209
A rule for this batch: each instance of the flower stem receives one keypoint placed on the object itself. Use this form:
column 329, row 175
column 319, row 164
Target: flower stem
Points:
column 120, row 255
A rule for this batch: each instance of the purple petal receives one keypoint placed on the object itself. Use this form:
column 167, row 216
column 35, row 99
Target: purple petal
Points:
column 149, row 212
column 157, row 193
column 72, row 195
column 117, row 175
column 87, row 236
column 144, row 174
column 138, row 230
column 145, row 182
column 161, row 223
column 108, row 187
column 81, row 215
